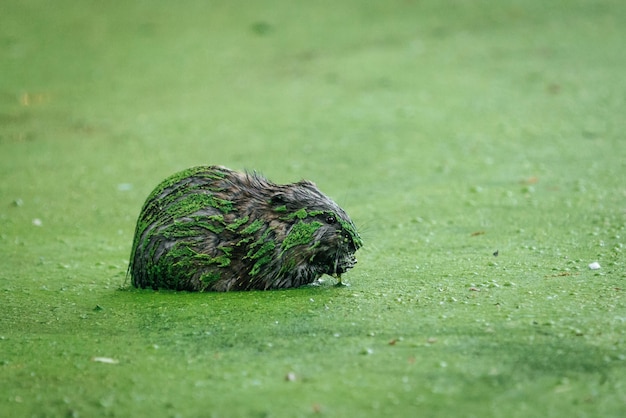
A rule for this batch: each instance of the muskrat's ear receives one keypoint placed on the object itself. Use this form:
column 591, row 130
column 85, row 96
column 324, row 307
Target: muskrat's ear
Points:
column 280, row 202
column 279, row 199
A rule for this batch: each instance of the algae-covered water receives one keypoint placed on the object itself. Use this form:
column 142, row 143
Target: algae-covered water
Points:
column 478, row 146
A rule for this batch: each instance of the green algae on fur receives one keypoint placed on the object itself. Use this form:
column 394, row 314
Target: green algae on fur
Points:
column 302, row 214
column 233, row 226
column 255, row 226
column 301, row 233
column 186, row 200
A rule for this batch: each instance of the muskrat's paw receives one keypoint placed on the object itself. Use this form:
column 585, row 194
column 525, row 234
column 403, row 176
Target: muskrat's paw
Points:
column 340, row 283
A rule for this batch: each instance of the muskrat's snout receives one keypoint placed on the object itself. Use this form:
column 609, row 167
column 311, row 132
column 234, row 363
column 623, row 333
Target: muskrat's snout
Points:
column 345, row 264
column 343, row 259
column 337, row 257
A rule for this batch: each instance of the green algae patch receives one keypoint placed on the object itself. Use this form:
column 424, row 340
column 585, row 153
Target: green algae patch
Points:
column 260, row 252
column 301, row 233
column 299, row 214
column 175, row 179
column 180, row 197
column 182, row 261
column 215, row 218
column 254, row 227
column 185, row 258
column 432, row 323
column 237, row 223
column 195, row 202
column 262, row 256
column 303, row 214
column 210, row 277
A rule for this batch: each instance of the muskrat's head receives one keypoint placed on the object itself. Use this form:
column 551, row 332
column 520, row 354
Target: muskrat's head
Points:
column 319, row 238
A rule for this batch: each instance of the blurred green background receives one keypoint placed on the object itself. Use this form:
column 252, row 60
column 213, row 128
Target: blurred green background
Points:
column 448, row 130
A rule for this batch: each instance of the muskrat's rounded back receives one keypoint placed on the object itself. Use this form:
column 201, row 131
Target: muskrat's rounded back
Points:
column 211, row 228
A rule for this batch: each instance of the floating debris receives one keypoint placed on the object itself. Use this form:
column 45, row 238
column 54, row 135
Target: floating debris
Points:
column 106, row 360
column 594, row 266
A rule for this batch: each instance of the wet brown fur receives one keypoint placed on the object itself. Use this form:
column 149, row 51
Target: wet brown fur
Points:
column 252, row 197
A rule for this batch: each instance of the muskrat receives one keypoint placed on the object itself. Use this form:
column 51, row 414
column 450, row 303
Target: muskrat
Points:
column 210, row 228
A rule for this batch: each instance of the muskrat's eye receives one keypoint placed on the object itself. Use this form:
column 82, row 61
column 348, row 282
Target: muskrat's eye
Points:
column 330, row 219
